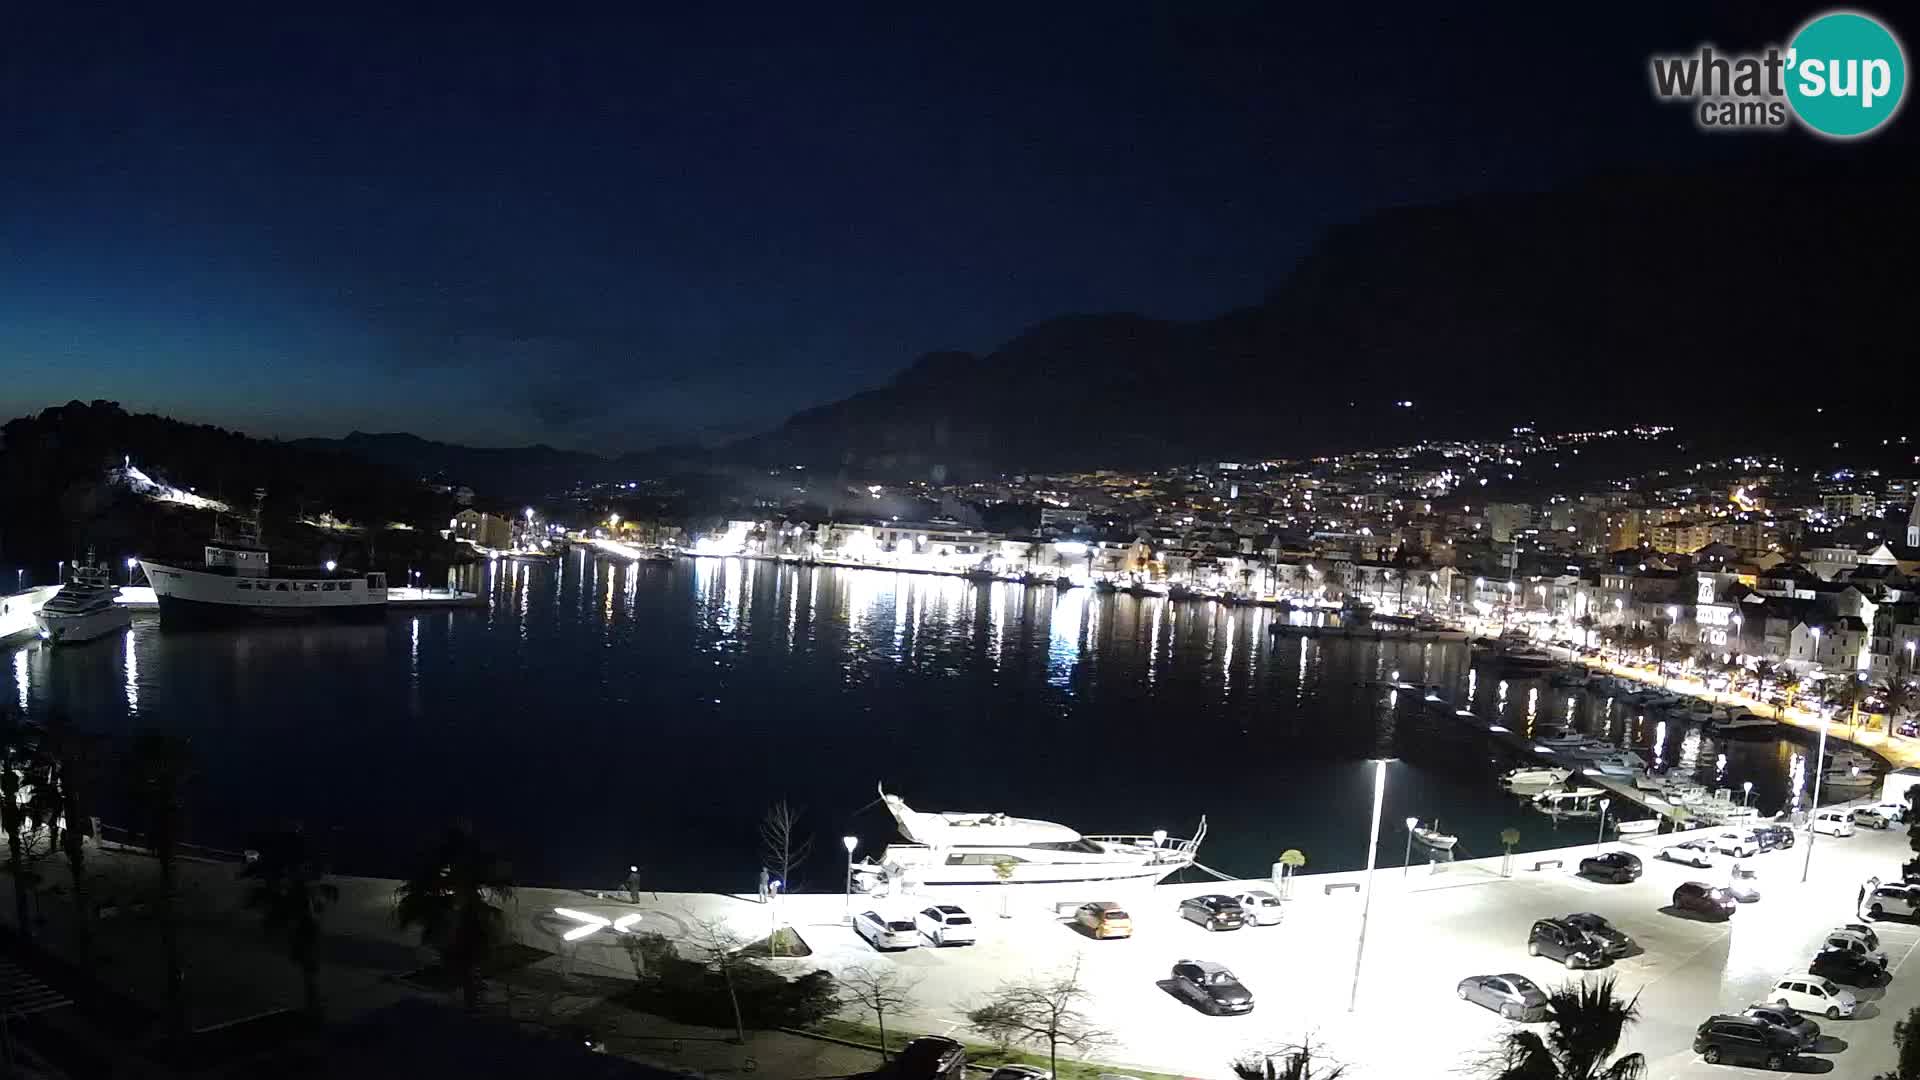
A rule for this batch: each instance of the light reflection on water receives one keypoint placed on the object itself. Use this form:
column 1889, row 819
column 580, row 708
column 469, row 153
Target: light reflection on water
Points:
column 600, row 712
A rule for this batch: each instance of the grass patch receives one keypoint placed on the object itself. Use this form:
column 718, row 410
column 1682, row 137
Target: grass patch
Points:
column 783, row 943
column 979, row 1053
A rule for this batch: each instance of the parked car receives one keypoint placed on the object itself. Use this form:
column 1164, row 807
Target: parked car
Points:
column 1261, row 907
column 1557, row 940
column 1744, row 1040
column 883, row 932
column 1211, row 988
column 1705, row 899
column 1619, row 867
column 1738, row 844
column 1691, row 852
column 1774, row 836
column 1832, row 823
column 1744, row 883
column 1512, row 996
column 1892, row 811
column 1902, row 900
column 946, row 924
column 1810, row 993
column 1104, row 919
column 1787, row 1019
column 1860, row 930
column 1845, row 966
column 1869, row 818
column 1020, row 1072
column 1213, row 911
column 929, row 1057
column 1853, row 941
column 1614, row 942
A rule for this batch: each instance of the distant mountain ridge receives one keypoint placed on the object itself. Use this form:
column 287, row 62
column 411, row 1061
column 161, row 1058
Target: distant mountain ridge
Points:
column 516, row 472
column 1698, row 299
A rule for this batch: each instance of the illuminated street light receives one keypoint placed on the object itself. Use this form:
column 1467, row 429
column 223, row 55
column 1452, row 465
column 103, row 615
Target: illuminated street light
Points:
column 330, row 565
column 1373, row 849
column 850, row 842
column 1746, row 787
column 1602, row 838
column 1407, row 859
column 1813, row 809
column 130, row 564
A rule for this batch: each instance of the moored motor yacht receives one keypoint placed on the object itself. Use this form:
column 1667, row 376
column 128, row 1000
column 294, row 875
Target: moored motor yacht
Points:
column 1741, row 723
column 84, row 609
column 967, row 848
column 1533, row 776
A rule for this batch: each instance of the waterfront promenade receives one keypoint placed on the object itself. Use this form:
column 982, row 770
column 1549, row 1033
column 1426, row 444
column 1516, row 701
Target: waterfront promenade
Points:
column 1430, row 926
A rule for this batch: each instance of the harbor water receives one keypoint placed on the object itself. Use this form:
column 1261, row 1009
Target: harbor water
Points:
column 596, row 713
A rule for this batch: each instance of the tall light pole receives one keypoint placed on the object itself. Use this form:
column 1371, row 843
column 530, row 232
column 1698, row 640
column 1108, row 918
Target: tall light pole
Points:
column 850, row 842
column 1602, row 837
column 1819, row 766
column 130, row 561
column 1747, row 798
column 1407, row 859
column 1373, row 849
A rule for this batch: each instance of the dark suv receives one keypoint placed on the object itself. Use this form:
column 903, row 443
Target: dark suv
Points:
column 1613, row 941
column 929, row 1057
column 1705, row 899
column 1744, row 1040
column 1557, row 939
column 1213, row 911
column 1773, row 836
column 1619, row 867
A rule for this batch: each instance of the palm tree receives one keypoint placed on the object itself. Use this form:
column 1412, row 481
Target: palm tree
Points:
column 1587, row 1021
column 1426, row 583
column 1003, row 869
column 1301, row 576
column 19, row 747
column 63, row 778
column 1587, row 622
column 1509, row 836
column 1291, row 860
column 1763, row 673
column 290, row 894
column 451, row 899
column 158, row 768
column 1897, row 695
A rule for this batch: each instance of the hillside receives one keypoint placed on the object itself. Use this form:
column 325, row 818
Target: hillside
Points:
column 64, row 488
column 1701, row 300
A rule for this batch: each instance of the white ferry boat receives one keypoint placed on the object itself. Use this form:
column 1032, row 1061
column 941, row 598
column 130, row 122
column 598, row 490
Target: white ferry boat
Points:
column 84, row 609
column 963, row 848
column 237, row 583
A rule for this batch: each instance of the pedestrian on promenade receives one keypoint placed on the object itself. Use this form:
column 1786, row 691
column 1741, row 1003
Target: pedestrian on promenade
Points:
column 764, row 879
column 633, row 884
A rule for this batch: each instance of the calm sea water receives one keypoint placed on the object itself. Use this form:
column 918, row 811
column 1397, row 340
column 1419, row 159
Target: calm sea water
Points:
column 596, row 714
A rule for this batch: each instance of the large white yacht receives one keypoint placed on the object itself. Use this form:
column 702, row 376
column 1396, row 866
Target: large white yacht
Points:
column 85, row 608
column 962, row 848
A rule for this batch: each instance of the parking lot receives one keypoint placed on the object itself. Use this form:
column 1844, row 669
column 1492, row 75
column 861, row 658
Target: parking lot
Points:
column 1427, row 932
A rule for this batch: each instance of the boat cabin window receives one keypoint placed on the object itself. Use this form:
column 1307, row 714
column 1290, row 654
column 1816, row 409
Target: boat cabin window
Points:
column 282, row 587
column 975, row 858
column 311, row 587
column 243, row 585
column 1083, row 846
column 346, row 586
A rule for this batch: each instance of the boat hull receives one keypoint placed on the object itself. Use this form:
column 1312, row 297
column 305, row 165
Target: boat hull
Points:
column 178, row 611
column 77, row 629
column 197, row 597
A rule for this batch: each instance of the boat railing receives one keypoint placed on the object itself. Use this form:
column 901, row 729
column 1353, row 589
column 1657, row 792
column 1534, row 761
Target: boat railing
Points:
column 1166, row 849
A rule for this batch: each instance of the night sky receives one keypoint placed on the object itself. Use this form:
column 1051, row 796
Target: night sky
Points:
column 612, row 232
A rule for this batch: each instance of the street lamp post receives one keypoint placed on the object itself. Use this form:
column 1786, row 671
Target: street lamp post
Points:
column 1407, row 859
column 130, row 561
column 1747, row 798
column 850, row 842
column 1602, row 837
column 1373, row 849
column 1819, row 765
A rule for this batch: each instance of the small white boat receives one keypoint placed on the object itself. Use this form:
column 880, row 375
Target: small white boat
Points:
column 1637, row 828
column 1434, row 838
column 1740, row 723
column 1578, row 803
column 1534, row 776
column 1615, row 763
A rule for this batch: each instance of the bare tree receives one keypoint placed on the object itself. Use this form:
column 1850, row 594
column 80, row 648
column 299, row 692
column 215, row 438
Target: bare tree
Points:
column 882, row 990
column 715, row 944
column 1305, row 1060
column 783, row 844
column 1041, row 1009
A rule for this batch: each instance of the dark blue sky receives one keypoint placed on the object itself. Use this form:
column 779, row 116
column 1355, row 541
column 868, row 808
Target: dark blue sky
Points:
column 610, row 231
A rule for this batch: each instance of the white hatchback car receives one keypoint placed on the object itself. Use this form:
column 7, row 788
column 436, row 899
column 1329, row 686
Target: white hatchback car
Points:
column 946, row 924
column 1691, row 852
column 1262, row 907
column 1902, row 900
column 1740, row 845
column 1813, row 994
column 883, row 932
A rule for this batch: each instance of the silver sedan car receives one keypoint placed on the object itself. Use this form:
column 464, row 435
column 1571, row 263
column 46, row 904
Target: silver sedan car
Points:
column 1512, row 996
